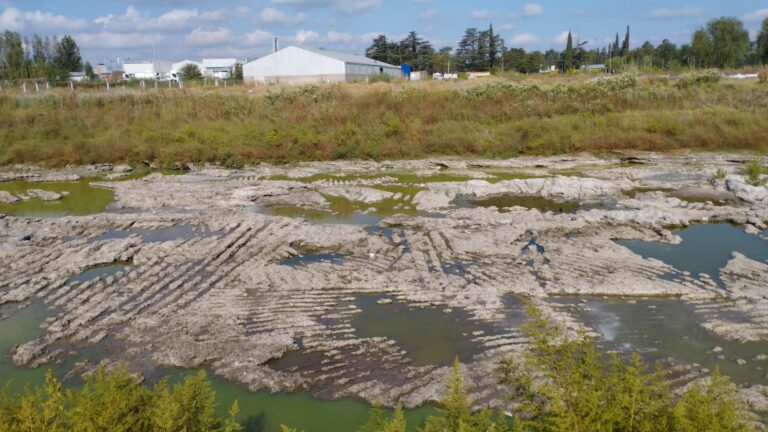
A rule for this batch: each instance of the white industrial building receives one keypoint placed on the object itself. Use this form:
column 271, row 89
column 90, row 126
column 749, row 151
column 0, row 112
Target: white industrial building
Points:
column 143, row 70
column 218, row 68
column 295, row 65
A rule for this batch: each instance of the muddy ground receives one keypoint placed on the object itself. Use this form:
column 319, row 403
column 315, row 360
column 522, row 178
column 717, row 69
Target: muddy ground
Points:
column 235, row 269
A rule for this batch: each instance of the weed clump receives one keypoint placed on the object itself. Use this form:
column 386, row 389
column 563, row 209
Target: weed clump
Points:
column 753, row 170
column 708, row 76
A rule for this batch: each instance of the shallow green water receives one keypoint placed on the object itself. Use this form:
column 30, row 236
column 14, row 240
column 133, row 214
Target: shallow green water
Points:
column 430, row 336
column 704, row 249
column 83, row 199
column 659, row 329
column 259, row 412
column 526, row 201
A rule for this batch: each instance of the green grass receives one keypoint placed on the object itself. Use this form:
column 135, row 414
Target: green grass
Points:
column 382, row 121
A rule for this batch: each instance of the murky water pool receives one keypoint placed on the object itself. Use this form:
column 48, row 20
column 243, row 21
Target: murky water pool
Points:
column 705, row 248
column 82, row 199
column 429, row 335
column 526, row 201
column 658, row 329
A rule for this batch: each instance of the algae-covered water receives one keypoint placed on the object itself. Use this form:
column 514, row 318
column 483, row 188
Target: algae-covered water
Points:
column 82, row 199
column 430, row 335
column 259, row 411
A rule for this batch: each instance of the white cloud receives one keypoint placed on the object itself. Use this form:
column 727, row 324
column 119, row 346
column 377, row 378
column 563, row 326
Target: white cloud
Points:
column 17, row 20
column 276, row 16
column 305, row 36
column 686, row 12
column 756, row 16
column 429, row 13
column 525, row 39
column 349, row 7
column 352, row 7
column 257, row 37
column 533, row 9
column 481, row 14
column 334, row 37
column 203, row 37
column 562, row 38
column 109, row 40
column 507, row 27
column 175, row 20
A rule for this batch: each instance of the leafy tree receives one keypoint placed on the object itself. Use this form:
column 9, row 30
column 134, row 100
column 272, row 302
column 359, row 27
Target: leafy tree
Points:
column 762, row 43
column 730, row 42
column 12, row 60
column 379, row 49
column 701, row 49
column 715, row 408
column 237, row 72
column 67, row 55
column 88, row 69
column 190, row 72
column 666, row 52
column 616, row 47
column 466, row 52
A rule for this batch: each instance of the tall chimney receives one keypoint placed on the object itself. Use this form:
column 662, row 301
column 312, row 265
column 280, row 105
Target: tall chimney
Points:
column 275, row 44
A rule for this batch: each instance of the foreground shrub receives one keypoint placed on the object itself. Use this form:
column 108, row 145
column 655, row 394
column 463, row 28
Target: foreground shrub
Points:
column 753, row 170
column 116, row 401
column 708, row 76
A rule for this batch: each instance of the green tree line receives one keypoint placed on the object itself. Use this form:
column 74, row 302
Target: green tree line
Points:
column 721, row 43
column 116, row 402
column 44, row 58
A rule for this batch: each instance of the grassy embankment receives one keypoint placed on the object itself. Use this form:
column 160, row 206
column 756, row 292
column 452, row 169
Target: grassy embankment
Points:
column 496, row 118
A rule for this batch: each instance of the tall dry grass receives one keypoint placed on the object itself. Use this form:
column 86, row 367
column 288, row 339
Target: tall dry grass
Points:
column 499, row 118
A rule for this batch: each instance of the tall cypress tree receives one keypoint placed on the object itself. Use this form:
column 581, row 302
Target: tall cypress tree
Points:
column 616, row 47
column 568, row 54
column 492, row 48
column 625, row 45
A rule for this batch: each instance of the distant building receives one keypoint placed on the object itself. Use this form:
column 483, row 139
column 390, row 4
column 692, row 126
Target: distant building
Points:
column 77, row 76
column 144, row 70
column 295, row 65
column 595, row 68
column 218, row 68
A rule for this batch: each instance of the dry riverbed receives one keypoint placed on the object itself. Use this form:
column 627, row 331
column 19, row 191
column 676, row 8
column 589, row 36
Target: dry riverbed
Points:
column 279, row 277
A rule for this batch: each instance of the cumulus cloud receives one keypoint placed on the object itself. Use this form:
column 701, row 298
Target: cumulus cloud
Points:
column 176, row 20
column 276, row 16
column 525, row 39
column 429, row 13
column 756, row 16
column 305, row 36
column 533, row 9
column 348, row 7
column 686, row 12
column 562, row 38
column 507, row 26
column 109, row 40
column 17, row 20
column 481, row 14
column 202, row 37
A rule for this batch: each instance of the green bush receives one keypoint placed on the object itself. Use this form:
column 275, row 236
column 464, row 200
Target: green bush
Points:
column 116, row 402
column 753, row 170
column 708, row 76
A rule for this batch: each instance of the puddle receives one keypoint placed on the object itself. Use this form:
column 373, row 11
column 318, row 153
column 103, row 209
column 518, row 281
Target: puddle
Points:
column 264, row 412
column 542, row 204
column 100, row 272
column 160, row 235
column 429, row 335
column 658, row 329
column 704, row 249
column 310, row 258
column 632, row 193
column 83, row 199
column 675, row 177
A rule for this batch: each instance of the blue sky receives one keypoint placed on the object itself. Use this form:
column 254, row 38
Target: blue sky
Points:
column 194, row 29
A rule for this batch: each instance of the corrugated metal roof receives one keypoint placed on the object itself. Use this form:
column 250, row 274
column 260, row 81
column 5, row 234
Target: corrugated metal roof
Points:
column 348, row 58
column 219, row 63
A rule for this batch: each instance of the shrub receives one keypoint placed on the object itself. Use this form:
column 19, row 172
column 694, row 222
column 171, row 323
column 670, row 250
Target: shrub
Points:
column 708, row 76
column 720, row 174
column 753, row 170
column 762, row 76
